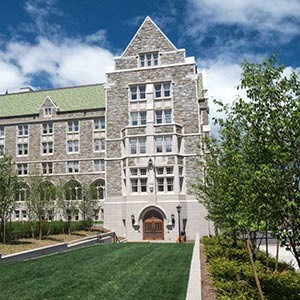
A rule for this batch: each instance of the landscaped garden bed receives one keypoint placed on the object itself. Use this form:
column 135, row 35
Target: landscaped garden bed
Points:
column 110, row 272
column 232, row 276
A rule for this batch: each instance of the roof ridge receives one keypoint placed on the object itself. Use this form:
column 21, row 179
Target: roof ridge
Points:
column 54, row 89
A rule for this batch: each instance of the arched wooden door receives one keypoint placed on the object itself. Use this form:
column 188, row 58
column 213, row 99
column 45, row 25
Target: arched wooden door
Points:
column 153, row 226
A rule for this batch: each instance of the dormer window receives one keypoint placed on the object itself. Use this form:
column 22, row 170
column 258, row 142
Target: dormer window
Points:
column 148, row 59
column 48, row 112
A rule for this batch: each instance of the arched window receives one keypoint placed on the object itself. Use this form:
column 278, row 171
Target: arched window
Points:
column 73, row 190
column 22, row 191
column 47, row 191
column 97, row 189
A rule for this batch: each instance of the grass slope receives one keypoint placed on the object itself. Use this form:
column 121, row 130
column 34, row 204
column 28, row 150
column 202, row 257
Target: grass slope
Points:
column 118, row 271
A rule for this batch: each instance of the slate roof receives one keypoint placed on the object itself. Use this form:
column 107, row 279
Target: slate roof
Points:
column 67, row 99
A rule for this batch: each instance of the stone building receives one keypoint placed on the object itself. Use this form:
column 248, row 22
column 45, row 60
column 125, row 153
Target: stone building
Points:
column 146, row 122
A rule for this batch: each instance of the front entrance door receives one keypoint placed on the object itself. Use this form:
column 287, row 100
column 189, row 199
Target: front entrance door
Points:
column 153, row 226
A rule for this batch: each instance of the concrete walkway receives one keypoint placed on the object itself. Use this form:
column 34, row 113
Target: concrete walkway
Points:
column 194, row 285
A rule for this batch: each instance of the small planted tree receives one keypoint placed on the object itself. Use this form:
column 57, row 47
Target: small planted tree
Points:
column 40, row 200
column 8, row 187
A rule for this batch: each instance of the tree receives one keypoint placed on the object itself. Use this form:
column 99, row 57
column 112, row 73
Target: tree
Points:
column 8, row 186
column 257, row 164
column 41, row 200
column 88, row 204
column 68, row 196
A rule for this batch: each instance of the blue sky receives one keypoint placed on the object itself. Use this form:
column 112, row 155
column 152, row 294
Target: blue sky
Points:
column 53, row 43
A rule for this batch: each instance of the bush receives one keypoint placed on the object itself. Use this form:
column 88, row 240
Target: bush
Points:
column 17, row 230
column 233, row 277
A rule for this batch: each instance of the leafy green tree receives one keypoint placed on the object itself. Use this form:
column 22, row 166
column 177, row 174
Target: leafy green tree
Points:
column 88, row 204
column 254, row 169
column 8, row 187
column 41, row 200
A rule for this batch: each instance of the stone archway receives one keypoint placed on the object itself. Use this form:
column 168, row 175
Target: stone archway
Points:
column 153, row 225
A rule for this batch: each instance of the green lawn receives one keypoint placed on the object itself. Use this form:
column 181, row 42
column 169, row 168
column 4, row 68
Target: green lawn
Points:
column 110, row 272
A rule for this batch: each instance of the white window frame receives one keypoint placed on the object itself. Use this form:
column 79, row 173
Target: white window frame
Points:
column 148, row 59
column 73, row 146
column 47, row 128
column 47, row 167
column 23, row 130
column 137, row 92
column 2, row 132
column 73, row 126
column 162, row 90
column 99, row 123
column 138, row 118
column 24, row 147
column 165, row 179
column 48, row 111
column 139, row 144
column 49, row 147
column 22, row 169
column 139, row 177
column 73, row 167
column 163, row 142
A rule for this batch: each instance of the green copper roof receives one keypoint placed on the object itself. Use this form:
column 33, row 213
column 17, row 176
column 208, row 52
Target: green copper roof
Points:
column 67, row 99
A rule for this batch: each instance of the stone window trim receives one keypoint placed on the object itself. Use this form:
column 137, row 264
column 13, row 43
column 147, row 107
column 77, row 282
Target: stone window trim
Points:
column 47, row 128
column 138, row 118
column 99, row 145
column 2, row 150
column 23, row 130
column 22, row 169
column 163, row 116
column 148, row 59
column 2, row 132
column 137, row 145
column 47, row 148
column 137, row 92
column 72, row 167
column 138, row 180
column 99, row 165
column 48, row 112
column 99, row 124
column 73, row 146
column 47, row 168
column 73, row 126
column 162, row 90
column 22, row 149
column 163, row 144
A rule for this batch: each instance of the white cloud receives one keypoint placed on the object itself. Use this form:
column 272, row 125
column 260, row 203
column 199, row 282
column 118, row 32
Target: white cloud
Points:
column 267, row 17
column 65, row 63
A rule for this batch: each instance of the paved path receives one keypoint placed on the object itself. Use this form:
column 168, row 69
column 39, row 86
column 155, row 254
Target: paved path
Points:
column 194, row 285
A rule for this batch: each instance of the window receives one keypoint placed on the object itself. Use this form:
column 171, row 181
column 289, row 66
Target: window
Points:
column 165, row 179
column 73, row 146
column 148, row 59
column 163, row 144
column 159, row 144
column 138, row 92
column 138, row 118
column 47, row 167
column 23, row 130
column 73, row 126
column 133, row 144
column 99, row 145
column 158, row 115
column 48, row 112
column 163, row 116
column 24, row 214
column 99, row 124
column 99, row 165
column 2, row 132
column 22, row 149
column 168, row 116
column 22, row 169
column 1, row 150
column 137, row 145
column 47, row 148
column 22, row 191
column 162, row 90
column 73, row 166
column 17, row 214
column 138, row 180
column 47, row 128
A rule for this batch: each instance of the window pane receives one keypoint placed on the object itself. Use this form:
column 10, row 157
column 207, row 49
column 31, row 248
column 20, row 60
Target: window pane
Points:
column 133, row 91
column 133, row 146
column 143, row 115
column 157, row 88
column 158, row 116
column 143, row 185
column 168, row 140
column 142, row 145
column 169, row 170
column 168, row 116
column 160, row 184
column 160, row 171
column 166, row 89
column 134, row 185
column 134, row 119
column 142, row 89
column 158, row 142
column 170, row 184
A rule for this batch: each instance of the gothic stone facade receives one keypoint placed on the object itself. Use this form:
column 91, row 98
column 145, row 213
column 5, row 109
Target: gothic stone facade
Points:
column 155, row 115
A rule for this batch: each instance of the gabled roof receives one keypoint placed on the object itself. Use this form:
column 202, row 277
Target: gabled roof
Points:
column 151, row 36
column 67, row 99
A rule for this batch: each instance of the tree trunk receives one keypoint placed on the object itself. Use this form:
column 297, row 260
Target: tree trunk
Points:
column 254, row 270
column 267, row 250
column 69, row 227
column 4, row 230
column 40, row 229
column 277, row 255
column 293, row 245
